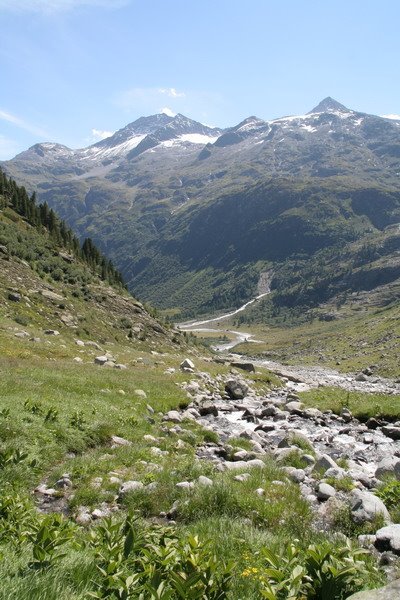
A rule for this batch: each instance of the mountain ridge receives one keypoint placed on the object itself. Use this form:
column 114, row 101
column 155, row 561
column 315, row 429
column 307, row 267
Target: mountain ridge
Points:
column 297, row 183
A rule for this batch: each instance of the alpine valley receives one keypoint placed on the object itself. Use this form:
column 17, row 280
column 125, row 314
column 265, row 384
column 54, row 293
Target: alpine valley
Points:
column 200, row 219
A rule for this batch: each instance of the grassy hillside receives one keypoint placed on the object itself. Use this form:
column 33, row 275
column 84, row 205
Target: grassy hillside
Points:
column 73, row 431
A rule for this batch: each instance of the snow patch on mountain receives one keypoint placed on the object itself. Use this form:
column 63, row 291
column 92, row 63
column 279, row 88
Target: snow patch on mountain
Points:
column 94, row 152
column 192, row 138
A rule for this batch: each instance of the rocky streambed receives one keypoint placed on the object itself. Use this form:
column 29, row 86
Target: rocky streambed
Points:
column 338, row 461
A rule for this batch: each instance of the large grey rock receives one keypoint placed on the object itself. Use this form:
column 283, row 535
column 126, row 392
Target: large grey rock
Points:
column 187, row 364
column 325, row 491
column 245, row 366
column 243, row 455
column 324, row 463
column 388, row 467
column 120, row 441
column 129, row 486
column 294, row 405
column 14, row 297
column 203, row 480
column 296, row 475
column 185, row 485
column 100, row 360
column 208, row 408
column 388, row 538
column 391, row 431
column 241, row 464
column 366, row 507
column 236, row 388
column 173, row 416
column 389, row 592
column 52, row 295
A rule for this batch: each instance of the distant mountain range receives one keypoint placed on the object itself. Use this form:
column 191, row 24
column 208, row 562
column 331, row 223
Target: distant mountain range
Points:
column 192, row 215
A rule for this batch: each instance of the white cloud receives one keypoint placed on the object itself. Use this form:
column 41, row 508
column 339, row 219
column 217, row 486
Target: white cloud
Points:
column 395, row 117
column 171, row 93
column 99, row 134
column 8, row 148
column 53, row 6
column 167, row 111
column 6, row 116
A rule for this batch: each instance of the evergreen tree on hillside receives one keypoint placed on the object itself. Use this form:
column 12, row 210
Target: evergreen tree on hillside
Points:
column 44, row 217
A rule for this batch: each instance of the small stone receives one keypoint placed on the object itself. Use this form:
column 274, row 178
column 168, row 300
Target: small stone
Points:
column 51, row 332
column 150, row 438
column 99, row 513
column 101, row 360
column 80, row 343
column 242, row 477
column 203, row 480
column 129, row 486
column 185, row 485
column 260, row 492
column 361, row 377
column 366, row 540
column 64, row 482
column 115, row 480
column 242, row 455
column 241, row 464
column 293, row 406
column 14, row 297
column 119, row 441
column 77, row 359
column 140, row 393
column 83, row 516
column 173, row 416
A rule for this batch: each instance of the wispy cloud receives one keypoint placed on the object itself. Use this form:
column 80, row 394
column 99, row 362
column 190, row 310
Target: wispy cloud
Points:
column 53, row 6
column 198, row 104
column 6, row 116
column 167, row 111
column 395, row 117
column 171, row 93
column 100, row 134
column 142, row 97
column 8, row 148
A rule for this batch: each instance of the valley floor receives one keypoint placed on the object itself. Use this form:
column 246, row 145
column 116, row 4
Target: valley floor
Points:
column 206, row 458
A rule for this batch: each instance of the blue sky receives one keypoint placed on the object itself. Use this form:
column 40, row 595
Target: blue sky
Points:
column 73, row 70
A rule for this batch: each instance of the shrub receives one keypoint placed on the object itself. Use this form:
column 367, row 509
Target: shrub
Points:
column 319, row 572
